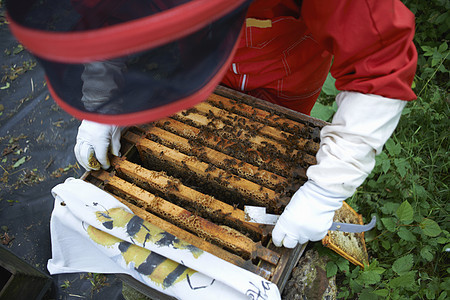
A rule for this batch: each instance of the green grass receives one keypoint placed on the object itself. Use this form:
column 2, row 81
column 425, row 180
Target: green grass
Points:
column 408, row 189
column 408, row 192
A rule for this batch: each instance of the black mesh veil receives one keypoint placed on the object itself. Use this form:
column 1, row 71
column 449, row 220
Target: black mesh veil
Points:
column 143, row 81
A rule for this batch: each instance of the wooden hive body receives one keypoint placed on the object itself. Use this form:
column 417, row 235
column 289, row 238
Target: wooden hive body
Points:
column 191, row 175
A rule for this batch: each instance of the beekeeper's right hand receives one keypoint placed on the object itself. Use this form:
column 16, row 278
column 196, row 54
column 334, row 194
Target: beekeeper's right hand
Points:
column 93, row 142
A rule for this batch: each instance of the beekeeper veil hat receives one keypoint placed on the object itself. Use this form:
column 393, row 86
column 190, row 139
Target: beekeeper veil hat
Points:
column 129, row 61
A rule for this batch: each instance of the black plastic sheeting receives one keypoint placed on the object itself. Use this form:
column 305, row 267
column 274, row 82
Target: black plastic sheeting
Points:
column 36, row 153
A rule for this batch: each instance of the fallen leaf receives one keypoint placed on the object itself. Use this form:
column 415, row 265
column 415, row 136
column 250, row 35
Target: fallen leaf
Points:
column 18, row 49
column 6, row 239
column 20, row 162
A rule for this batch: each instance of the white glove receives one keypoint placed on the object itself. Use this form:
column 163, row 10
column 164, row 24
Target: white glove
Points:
column 93, row 142
column 308, row 216
column 361, row 126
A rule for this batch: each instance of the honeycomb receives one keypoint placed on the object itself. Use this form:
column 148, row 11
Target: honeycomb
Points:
column 193, row 173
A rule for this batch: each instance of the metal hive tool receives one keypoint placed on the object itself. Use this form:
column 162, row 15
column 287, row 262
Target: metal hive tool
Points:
column 191, row 175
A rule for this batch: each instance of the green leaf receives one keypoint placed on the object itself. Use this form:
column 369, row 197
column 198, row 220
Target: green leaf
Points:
column 428, row 50
column 329, row 87
column 420, row 191
column 378, row 270
column 386, row 244
column 405, row 212
column 441, row 18
column 405, row 280
column 6, row 86
column 401, row 165
column 443, row 69
column 343, row 294
column 19, row 162
column 427, row 253
column 18, row 49
column 443, row 296
column 385, row 165
column 381, row 292
column 343, row 265
column 445, row 284
column 435, row 61
column 389, row 223
column 430, row 228
column 321, row 111
column 403, row 264
column 367, row 294
column 405, row 234
column 443, row 47
column 389, row 207
column 442, row 240
column 369, row 277
column 430, row 293
column 331, row 269
column 393, row 148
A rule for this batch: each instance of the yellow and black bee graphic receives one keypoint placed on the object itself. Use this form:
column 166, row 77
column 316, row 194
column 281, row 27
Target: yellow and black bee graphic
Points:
column 159, row 269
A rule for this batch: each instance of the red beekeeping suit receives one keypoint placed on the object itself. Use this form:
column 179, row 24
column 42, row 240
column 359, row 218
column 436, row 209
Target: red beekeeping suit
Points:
column 287, row 48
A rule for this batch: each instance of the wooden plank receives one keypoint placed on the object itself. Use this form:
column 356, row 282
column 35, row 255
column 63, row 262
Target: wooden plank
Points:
column 218, row 159
column 221, row 235
column 250, row 190
column 255, row 102
column 266, row 117
column 191, row 238
column 289, row 259
column 248, row 136
column 166, row 184
column 285, row 139
column 25, row 281
column 233, row 148
column 263, row 116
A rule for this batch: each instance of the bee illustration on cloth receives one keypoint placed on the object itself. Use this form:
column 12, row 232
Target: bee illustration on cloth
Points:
column 141, row 231
column 159, row 269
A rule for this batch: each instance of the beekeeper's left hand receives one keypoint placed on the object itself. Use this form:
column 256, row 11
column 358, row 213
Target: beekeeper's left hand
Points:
column 361, row 126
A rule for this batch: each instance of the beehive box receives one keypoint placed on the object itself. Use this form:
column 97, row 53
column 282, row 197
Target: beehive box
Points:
column 191, row 175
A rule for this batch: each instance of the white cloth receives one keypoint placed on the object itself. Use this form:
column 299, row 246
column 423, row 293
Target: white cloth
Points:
column 360, row 128
column 91, row 231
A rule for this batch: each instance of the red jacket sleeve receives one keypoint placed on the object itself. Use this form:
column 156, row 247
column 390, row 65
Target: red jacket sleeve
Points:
column 372, row 44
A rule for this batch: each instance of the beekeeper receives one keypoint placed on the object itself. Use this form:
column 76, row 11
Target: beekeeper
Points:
column 118, row 63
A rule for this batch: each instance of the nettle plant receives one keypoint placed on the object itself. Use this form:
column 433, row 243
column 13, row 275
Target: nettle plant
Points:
column 408, row 192
column 432, row 37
